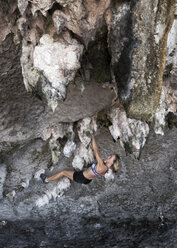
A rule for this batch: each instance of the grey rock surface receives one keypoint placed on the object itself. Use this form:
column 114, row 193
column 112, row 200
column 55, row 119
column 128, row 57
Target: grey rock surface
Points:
column 118, row 72
column 137, row 39
column 144, row 192
column 24, row 116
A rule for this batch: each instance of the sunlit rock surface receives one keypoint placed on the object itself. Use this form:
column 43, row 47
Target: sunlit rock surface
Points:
column 59, row 69
column 69, row 69
column 138, row 37
column 160, row 115
column 84, row 154
column 42, row 6
column 171, row 45
column 132, row 133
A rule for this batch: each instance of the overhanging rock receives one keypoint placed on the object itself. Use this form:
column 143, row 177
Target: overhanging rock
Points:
column 138, row 40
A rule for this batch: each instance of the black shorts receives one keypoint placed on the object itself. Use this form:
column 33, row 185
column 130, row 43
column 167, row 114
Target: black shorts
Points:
column 79, row 177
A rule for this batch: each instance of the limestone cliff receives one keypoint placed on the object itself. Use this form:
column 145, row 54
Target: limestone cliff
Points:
column 65, row 61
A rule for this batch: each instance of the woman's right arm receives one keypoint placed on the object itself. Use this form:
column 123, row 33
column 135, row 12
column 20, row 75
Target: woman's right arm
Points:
column 96, row 152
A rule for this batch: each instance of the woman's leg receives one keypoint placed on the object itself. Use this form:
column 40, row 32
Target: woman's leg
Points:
column 58, row 175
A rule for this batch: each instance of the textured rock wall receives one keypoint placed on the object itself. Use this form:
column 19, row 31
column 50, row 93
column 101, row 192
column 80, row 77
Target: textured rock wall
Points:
column 82, row 58
column 63, row 62
column 136, row 207
column 138, row 37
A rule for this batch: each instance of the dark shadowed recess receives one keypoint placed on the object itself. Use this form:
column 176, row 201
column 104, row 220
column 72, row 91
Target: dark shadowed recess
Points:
column 56, row 6
column 171, row 119
column 127, row 233
column 97, row 55
column 10, row 69
column 123, row 37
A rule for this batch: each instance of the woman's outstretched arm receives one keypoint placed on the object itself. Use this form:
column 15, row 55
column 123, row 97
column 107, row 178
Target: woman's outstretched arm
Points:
column 96, row 152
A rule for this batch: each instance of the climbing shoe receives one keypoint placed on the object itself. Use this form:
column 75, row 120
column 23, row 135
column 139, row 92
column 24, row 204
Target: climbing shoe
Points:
column 43, row 177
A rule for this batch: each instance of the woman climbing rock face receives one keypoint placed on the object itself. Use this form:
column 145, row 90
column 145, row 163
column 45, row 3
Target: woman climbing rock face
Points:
column 99, row 168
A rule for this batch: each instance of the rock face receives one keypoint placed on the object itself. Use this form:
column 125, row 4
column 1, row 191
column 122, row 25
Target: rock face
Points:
column 72, row 68
column 171, row 45
column 142, row 199
column 51, row 74
column 25, row 117
column 138, row 37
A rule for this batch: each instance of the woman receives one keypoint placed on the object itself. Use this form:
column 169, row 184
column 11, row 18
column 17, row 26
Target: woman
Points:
column 98, row 168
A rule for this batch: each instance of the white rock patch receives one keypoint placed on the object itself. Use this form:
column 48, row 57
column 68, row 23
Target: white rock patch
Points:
column 58, row 62
column 85, row 131
column 3, row 173
column 140, row 131
column 86, row 127
column 120, row 125
column 82, row 155
column 22, row 5
column 41, row 5
column 59, row 131
column 25, row 184
column 172, row 45
column 171, row 99
column 160, row 115
column 128, row 130
column 70, row 146
column 55, row 192
column 109, row 175
column 160, row 30
column 38, row 173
